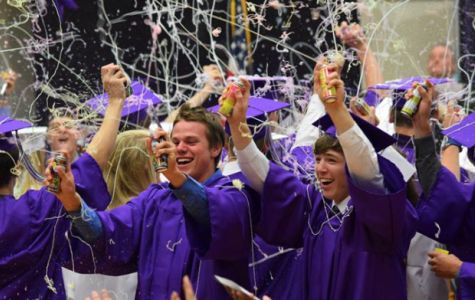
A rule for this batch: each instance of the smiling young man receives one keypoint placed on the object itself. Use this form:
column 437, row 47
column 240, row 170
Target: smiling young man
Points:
column 148, row 234
column 355, row 229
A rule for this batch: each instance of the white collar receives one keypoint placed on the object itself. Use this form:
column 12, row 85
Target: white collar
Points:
column 342, row 205
column 230, row 168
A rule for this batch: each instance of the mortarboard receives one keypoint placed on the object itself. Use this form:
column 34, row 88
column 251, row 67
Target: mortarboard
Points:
column 257, row 113
column 463, row 132
column 406, row 83
column 264, row 87
column 8, row 125
column 378, row 138
column 372, row 98
column 401, row 86
column 135, row 106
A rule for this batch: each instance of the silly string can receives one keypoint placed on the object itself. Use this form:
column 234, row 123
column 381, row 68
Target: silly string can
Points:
column 160, row 164
column 229, row 98
column 329, row 94
column 59, row 161
column 411, row 105
column 362, row 106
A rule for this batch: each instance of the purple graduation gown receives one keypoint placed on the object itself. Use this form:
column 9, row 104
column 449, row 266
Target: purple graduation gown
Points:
column 360, row 255
column 278, row 275
column 405, row 144
column 466, row 281
column 447, row 215
column 233, row 229
column 32, row 235
column 148, row 235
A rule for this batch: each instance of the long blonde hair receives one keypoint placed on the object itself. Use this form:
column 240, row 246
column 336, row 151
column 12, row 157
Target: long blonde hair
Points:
column 129, row 171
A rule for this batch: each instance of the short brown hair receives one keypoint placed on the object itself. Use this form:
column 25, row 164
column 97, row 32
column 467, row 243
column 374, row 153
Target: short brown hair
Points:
column 399, row 119
column 214, row 130
column 326, row 142
column 9, row 156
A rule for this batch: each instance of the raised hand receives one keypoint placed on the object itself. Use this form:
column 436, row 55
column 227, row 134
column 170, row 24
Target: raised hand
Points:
column 367, row 115
column 453, row 115
column 333, row 80
column 238, row 114
column 166, row 147
column 67, row 191
column 214, row 78
column 351, row 35
column 115, row 81
column 421, row 117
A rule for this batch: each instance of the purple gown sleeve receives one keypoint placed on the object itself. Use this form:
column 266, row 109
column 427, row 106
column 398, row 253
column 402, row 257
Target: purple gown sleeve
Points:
column 466, row 281
column 437, row 210
column 90, row 183
column 383, row 214
column 285, row 201
column 116, row 250
column 302, row 163
column 229, row 236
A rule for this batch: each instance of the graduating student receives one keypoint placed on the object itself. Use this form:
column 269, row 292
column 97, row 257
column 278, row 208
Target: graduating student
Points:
column 148, row 233
column 447, row 207
column 32, row 232
column 356, row 231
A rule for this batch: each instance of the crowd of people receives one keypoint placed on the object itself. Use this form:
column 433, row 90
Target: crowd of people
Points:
column 386, row 212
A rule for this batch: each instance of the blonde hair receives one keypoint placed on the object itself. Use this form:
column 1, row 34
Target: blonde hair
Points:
column 25, row 181
column 129, row 170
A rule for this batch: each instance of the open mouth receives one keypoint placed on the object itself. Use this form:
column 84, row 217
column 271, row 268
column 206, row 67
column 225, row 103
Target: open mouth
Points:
column 183, row 161
column 63, row 140
column 324, row 182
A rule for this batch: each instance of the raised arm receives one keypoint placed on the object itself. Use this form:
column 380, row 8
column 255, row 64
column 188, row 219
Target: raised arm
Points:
column 252, row 162
column 114, row 81
column 353, row 36
column 213, row 75
column 427, row 162
column 361, row 158
column 450, row 149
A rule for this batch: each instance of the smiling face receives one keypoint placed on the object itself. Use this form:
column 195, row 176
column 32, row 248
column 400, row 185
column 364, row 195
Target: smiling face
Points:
column 63, row 135
column 194, row 155
column 330, row 171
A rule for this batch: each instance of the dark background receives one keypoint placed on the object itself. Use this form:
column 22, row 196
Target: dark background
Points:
column 171, row 71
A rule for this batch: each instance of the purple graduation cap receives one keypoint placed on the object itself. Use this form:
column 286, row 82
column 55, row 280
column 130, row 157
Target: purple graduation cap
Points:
column 264, row 87
column 378, row 138
column 257, row 114
column 400, row 87
column 464, row 134
column 8, row 125
column 406, row 83
column 135, row 106
column 372, row 98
